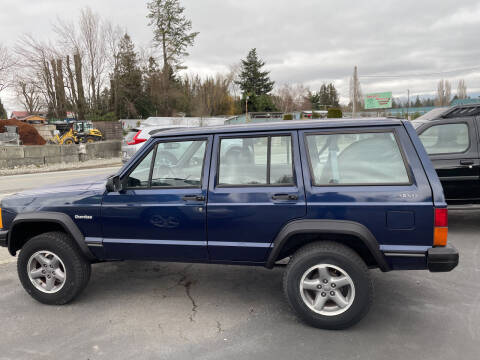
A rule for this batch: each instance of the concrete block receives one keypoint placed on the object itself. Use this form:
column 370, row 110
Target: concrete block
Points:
column 68, row 159
column 34, row 151
column 12, row 163
column 11, row 152
column 68, row 150
column 53, row 150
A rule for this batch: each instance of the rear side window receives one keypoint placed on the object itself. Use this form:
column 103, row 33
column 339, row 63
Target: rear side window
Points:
column 446, row 139
column 265, row 160
column 356, row 159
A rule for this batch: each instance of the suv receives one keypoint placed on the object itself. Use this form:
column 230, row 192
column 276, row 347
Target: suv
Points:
column 451, row 138
column 331, row 199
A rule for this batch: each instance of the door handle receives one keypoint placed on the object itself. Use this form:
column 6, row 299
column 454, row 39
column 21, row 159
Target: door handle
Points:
column 285, row 197
column 466, row 162
column 193, row 198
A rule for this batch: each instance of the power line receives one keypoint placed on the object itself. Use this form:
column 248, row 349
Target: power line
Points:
column 420, row 74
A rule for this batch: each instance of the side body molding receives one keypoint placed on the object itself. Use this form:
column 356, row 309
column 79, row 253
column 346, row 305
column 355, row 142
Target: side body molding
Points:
column 53, row 217
column 312, row 226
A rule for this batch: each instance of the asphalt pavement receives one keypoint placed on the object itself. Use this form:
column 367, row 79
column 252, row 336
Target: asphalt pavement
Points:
column 148, row 310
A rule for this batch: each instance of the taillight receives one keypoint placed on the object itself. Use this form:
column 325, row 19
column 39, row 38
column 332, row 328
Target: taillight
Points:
column 440, row 231
column 136, row 139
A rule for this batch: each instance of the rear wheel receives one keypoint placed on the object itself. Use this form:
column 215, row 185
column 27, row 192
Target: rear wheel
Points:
column 51, row 268
column 90, row 139
column 328, row 285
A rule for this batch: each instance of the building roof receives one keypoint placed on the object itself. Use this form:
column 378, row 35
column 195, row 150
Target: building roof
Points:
column 283, row 125
column 19, row 115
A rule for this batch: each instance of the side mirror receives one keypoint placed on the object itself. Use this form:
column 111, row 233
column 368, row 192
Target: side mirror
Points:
column 114, row 184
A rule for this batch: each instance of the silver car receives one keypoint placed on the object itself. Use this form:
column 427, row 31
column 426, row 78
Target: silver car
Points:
column 136, row 137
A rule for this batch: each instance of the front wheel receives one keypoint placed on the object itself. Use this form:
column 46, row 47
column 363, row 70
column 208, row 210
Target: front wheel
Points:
column 51, row 268
column 328, row 285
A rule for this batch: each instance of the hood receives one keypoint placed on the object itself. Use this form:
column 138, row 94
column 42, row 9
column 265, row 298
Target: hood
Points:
column 78, row 193
column 80, row 185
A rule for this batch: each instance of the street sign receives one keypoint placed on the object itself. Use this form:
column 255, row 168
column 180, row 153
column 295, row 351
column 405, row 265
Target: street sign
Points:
column 381, row 100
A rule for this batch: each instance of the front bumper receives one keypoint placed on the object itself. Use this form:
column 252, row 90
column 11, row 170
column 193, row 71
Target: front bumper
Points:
column 3, row 238
column 442, row 259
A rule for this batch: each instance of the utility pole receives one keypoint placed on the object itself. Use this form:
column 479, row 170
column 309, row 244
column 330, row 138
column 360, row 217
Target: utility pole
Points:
column 408, row 103
column 355, row 91
column 246, row 108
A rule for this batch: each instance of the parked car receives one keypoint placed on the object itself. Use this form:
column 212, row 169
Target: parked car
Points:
column 136, row 137
column 451, row 138
column 332, row 199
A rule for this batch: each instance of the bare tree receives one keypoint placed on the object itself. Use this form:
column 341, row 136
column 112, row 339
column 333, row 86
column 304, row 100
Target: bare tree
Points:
column 29, row 95
column 93, row 41
column 34, row 60
column 444, row 93
column 290, row 98
column 461, row 89
column 6, row 65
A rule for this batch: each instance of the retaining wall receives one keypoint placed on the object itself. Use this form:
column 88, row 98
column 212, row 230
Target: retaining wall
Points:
column 40, row 155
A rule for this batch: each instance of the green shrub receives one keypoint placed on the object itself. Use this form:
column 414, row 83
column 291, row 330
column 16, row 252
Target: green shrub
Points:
column 334, row 113
column 316, row 115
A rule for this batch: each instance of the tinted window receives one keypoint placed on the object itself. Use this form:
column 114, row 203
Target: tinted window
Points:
column 179, row 164
column 245, row 161
column 446, row 138
column 139, row 177
column 362, row 158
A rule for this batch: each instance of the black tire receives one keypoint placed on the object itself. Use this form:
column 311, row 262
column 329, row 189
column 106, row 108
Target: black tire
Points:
column 328, row 252
column 69, row 141
column 77, row 268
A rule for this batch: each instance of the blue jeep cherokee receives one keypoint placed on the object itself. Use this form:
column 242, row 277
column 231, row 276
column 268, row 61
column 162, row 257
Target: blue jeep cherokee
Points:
column 331, row 199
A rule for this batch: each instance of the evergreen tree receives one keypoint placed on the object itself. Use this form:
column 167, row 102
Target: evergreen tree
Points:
column 332, row 95
column 255, row 83
column 326, row 97
column 3, row 112
column 314, row 98
column 252, row 80
column 129, row 77
column 418, row 102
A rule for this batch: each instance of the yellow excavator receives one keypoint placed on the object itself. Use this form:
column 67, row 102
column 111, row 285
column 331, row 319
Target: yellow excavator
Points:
column 77, row 132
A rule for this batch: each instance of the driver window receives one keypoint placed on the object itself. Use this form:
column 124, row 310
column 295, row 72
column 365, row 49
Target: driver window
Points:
column 178, row 164
column 139, row 177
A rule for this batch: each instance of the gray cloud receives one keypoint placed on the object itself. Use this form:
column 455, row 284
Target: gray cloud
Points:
column 308, row 41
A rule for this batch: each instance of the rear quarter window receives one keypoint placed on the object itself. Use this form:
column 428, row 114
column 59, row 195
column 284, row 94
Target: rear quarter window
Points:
column 356, row 159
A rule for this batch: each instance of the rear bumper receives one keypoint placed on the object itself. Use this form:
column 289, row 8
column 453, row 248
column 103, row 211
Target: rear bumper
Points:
column 442, row 259
column 3, row 238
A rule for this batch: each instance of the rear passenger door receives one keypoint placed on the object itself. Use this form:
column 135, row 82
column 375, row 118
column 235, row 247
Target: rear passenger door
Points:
column 373, row 177
column 255, row 188
column 452, row 145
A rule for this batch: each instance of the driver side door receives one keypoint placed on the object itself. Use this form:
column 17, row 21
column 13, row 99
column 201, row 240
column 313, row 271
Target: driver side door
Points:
column 160, row 214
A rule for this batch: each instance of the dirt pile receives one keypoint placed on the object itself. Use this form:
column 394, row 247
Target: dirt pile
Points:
column 28, row 134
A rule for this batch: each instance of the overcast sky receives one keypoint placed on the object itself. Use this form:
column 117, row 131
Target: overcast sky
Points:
column 302, row 41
